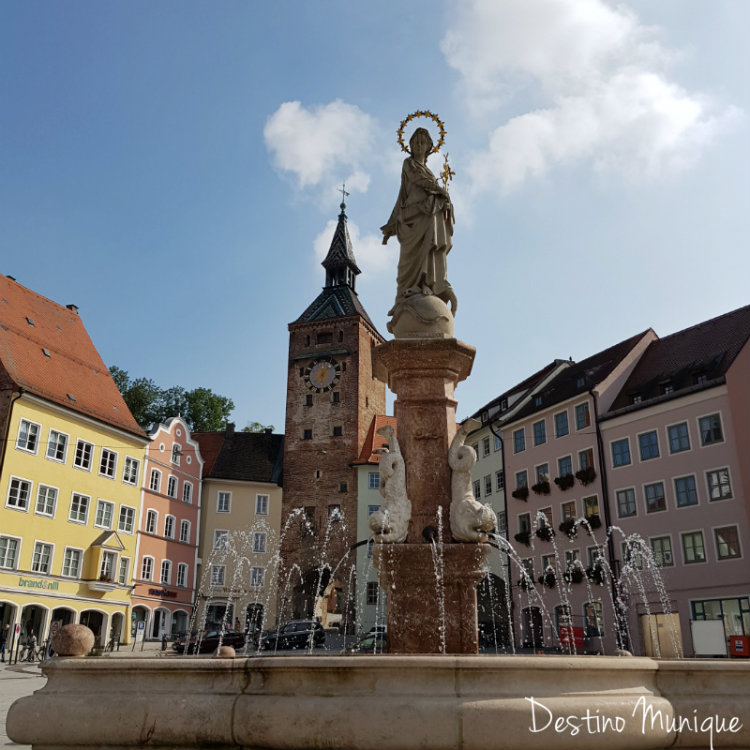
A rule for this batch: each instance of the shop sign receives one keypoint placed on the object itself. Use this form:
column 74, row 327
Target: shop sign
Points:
column 164, row 593
column 38, row 583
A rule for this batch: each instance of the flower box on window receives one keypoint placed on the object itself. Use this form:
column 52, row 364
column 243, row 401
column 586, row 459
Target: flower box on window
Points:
column 523, row 537
column 575, row 574
column 545, row 532
column 594, row 521
column 521, row 493
column 569, row 527
column 541, row 488
column 548, row 579
column 565, row 482
column 586, row 476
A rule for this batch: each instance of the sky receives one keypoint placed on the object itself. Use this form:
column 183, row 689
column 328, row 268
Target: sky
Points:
column 172, row 168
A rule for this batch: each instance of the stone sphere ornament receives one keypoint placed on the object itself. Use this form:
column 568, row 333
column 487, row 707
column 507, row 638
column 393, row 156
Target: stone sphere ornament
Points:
column 73, row 640
column 224, row 652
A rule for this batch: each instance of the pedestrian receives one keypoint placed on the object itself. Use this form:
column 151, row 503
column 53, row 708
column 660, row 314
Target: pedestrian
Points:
column 164, row 642
column 3, row 640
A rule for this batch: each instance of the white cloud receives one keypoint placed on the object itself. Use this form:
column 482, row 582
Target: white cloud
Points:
column 320, row 144
column 598, row 73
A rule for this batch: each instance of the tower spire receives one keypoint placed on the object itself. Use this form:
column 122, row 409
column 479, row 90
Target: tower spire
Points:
column 340, row 264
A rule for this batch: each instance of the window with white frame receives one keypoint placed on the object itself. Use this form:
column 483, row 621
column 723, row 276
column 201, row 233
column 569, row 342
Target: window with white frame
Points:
column 488, row 484
column 586, row 459
column 172, row 486
column 648, row 445
column 372, row 592
column 122, row 572
column 126, row 521
column 261, row 505
column 476, row 487
column 593, row 618
column 719, row 486
column 176, row 454
column 522, row 479
column 693, row 548
column 19, row 492
column 147, row 569
column 727, row 543
column 130, row 470
column 686, row 492
column 154, row 482
column 221, row 539
column 259, row 541
column 561, row 424
column 71, row 567
column 498, row 443
column 583, row 417
column 519, row 440
column 41, row 559
column 8, row 552
column 679, row 437
column 661, row 546
column 152, row 519
column 626, row 503
column 28, row 436
column 46, row 501
column 373, row 480
column 182, row 575
column 57, row 446
column 104, row 512
column 540, row 432
column 84, row 452
column 485, row 446
column 217, row 575
column 223, row 502
column 654, row 495
column 185, row 532
column 166, row 572
column 108, row 463
column 79, row 508
column 499, row 480
column 109, row 565
column 565, row 466
column 620, row 452
column 542, row 473
column 710, row 429
column 256, row 576
column 187, row 492
column 169, row 525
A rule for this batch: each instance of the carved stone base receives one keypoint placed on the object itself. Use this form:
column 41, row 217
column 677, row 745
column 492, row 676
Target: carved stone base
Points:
column 432, row 598
column 421, row 317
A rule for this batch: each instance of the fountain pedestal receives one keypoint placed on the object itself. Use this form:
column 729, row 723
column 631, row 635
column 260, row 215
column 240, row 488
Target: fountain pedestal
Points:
column 432, row 604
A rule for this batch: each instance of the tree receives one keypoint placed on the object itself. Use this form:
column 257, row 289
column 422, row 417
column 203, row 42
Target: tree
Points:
column 201, row 408
column 257, row 427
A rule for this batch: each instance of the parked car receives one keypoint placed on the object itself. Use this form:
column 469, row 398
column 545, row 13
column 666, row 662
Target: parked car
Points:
column 294, row 634
column 375, row 642
column 208, row 642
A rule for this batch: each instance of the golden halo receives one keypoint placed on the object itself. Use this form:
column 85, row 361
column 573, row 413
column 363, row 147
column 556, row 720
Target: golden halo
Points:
column 414, row 115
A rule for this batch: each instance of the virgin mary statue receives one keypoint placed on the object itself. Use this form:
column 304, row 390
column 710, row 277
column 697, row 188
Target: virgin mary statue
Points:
column 422, row 220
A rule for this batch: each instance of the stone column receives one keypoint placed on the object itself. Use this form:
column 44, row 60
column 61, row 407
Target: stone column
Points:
column 432, row 604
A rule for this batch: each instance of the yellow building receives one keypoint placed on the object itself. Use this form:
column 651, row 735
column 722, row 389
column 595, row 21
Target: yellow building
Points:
column 239, row 529
column 70, row 475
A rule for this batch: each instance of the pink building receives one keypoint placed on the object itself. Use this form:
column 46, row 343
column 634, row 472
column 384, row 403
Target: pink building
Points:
column 676, row 461
column 636, row 459
column 168, row 534
column 554, row 482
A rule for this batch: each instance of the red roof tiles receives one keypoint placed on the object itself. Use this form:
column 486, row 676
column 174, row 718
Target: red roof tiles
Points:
column 45, row 350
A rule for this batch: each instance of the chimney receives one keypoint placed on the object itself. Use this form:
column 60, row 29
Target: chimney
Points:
column 73, row 308
column 268, row 431
column 230, row 429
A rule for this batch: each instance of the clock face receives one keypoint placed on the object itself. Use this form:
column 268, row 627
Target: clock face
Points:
column 322, row 375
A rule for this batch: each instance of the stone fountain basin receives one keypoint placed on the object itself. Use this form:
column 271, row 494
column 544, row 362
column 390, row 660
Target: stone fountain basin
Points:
column 380, row 702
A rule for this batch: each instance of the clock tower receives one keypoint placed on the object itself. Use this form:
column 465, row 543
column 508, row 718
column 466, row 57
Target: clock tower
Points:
column 331, row 400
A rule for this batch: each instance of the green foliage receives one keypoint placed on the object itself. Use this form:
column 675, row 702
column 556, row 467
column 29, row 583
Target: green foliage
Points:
column 257, row 427
column 201, row 408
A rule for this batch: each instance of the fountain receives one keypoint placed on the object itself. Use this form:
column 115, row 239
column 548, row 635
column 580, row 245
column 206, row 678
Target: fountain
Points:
column 431, row 542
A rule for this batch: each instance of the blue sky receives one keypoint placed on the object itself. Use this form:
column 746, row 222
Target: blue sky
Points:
column 172, row 167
